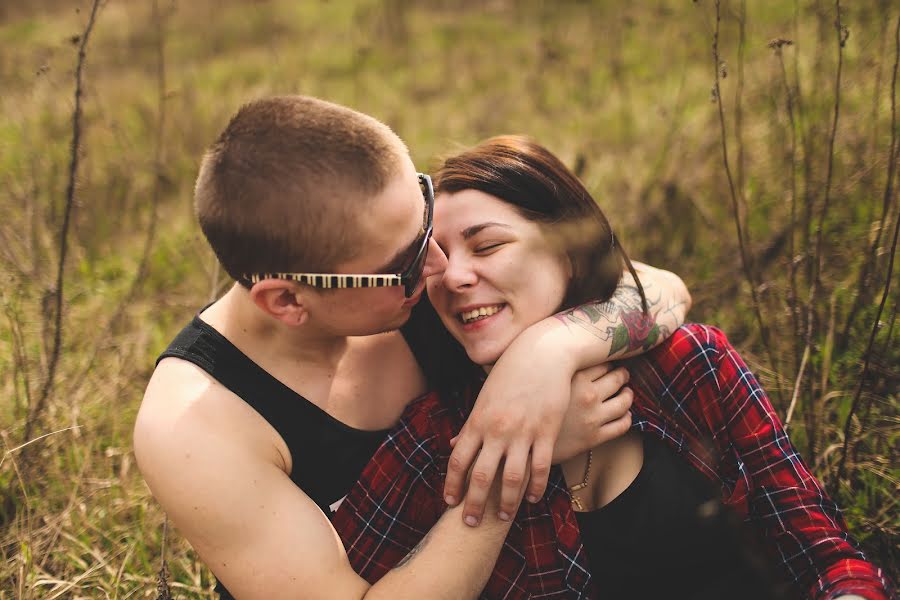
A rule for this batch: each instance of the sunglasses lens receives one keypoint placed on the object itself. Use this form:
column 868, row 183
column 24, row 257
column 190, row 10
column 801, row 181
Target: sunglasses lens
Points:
column 414, row 273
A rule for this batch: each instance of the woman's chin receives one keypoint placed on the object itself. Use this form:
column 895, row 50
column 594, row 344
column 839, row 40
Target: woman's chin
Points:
column 484, row 357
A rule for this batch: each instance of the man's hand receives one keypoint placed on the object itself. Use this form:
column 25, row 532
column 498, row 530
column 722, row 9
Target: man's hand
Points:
column 518, row 413
column 597, row 412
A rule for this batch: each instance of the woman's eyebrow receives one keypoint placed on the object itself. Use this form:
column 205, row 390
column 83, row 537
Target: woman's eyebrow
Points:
column 473, row 230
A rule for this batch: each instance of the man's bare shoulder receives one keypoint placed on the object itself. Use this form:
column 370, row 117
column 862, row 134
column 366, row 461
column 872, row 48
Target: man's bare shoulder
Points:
column 185, row 412
column 213, row 464
column 181, row 394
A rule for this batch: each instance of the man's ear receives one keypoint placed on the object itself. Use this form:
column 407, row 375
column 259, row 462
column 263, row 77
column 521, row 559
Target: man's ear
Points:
column 280, row 299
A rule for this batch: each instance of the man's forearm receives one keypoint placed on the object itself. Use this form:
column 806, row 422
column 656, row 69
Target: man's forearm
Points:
column 452, row 561
column 619, row 328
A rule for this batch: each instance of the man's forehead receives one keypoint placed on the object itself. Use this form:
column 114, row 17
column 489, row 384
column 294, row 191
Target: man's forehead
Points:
column 394, row 220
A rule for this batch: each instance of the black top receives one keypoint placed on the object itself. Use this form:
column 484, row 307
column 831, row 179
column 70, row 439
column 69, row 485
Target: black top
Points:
column 669, row 536
column 327, row 455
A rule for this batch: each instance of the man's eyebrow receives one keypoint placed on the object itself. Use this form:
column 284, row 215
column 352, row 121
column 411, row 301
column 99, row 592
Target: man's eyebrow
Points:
column 472, row 231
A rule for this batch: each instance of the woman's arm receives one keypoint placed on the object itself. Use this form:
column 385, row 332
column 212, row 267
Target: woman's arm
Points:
column 523, row 402
column 706, row 390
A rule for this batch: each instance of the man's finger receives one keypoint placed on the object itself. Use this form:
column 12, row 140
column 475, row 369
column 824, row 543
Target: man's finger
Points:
column 514, row 472
column 541, row 457
column 594, row 373
column 480, row 480
column 464, row 453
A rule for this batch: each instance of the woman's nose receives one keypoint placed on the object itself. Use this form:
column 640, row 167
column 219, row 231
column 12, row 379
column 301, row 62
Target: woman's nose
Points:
column 458, row 273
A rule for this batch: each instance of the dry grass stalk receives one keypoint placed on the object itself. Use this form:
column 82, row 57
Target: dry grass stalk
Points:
column 36, row 412
column 162, row 577
column 816, row 265
column 140, row 275
column 777, row 46
column 888, row 196
column 745, row 260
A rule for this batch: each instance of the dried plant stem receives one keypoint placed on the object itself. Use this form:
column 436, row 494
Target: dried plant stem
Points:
column 889, row 193
column 11, row 451
column 155, row 197
column 740, row 163
column 162, row 577
column 871, row 262
column 817, row 255
column 794, row 297
column 796, row 394
column 868, row 356
column 38, row 409
column 805, row 145
column 745, row 261
column 20, row 358
column 159, row 150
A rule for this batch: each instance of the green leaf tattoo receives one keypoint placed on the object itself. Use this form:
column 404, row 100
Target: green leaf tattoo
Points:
column 620, row 340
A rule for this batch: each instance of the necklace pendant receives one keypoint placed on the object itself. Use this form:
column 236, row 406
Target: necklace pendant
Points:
column 576, row 503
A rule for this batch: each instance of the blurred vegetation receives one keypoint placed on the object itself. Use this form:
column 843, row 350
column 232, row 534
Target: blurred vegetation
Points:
column 623, row 92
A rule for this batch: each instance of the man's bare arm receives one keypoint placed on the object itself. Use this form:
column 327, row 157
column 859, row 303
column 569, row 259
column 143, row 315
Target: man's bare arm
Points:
column 620, row 324
column 522, row 404
column 210, row 462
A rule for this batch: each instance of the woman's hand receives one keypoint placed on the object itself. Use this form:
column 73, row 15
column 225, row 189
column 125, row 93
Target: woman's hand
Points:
column 598, row 412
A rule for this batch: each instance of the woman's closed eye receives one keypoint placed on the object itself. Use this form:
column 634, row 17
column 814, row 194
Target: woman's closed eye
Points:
column 488, row 247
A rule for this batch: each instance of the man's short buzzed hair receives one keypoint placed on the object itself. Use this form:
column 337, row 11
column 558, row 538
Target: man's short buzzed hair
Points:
column 283, row 187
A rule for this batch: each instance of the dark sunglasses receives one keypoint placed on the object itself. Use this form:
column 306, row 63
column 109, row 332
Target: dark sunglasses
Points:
column 409, row 276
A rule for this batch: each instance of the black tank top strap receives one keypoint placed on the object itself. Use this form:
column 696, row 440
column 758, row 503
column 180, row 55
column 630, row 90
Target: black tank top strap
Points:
column 327, row 455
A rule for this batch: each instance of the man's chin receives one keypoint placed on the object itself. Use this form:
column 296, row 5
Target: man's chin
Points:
column 396, row 324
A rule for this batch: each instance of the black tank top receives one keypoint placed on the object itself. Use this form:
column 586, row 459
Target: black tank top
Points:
column 669, row 536
column 327, row 456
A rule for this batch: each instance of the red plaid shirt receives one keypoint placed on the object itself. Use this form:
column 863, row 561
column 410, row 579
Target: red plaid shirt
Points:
column 695, row 393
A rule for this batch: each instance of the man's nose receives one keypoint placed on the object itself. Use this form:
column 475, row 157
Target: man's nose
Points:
column 435, row 260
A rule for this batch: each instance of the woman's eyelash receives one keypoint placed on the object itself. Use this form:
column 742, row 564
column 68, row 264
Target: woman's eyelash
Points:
column 487, row 247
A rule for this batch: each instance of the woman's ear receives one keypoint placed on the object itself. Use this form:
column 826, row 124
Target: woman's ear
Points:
column 569, row 265
column 280, row 299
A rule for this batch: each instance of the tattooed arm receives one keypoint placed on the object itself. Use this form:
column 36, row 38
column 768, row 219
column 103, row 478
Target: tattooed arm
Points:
column 523, row 402
column 620, row 324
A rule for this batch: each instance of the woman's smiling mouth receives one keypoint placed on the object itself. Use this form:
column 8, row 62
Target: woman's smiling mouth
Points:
column 477, row 314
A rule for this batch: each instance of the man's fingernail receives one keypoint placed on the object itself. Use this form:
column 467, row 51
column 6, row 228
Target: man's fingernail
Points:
column 503, row 516
column 450, row 500
column 532, row 498
column 471, row 521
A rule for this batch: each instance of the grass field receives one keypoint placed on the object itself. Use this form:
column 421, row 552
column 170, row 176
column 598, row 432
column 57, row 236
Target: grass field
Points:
column 625, row 93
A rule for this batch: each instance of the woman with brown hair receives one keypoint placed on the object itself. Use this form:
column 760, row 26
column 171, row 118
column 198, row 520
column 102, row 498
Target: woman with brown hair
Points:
column 671, row 509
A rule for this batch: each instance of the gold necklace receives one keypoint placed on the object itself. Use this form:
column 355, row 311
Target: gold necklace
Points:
column 576, row 502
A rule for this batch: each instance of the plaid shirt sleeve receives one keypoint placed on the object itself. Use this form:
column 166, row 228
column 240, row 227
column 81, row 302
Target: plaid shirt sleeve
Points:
column 398, row 499
column 398, row 496
column 713, row 394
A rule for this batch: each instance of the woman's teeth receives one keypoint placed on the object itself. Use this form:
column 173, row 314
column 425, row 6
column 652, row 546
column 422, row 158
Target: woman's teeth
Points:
column 479, row 313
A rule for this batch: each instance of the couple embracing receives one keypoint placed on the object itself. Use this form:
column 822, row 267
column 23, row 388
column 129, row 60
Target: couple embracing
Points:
column 406, row 393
